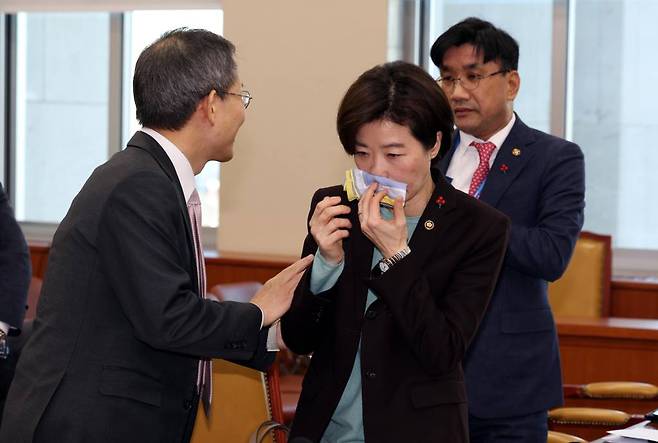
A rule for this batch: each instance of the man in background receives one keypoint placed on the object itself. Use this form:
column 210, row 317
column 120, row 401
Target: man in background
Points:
column 124, row 336
column 538, row 180
column 15, row 273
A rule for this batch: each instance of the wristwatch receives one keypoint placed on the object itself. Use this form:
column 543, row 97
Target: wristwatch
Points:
column 387, row 263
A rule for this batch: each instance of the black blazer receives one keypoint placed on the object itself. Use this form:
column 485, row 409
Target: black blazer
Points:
column 15, row 270
column 413, row 337
column 120, row 326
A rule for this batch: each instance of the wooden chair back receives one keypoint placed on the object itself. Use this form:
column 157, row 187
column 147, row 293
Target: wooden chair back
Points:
column 584, row 289
column 242, row 400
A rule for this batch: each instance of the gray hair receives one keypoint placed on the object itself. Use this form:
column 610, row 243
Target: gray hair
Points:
column 176, row 71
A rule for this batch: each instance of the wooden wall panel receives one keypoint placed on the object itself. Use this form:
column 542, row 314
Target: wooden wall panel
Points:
column 634, row 299
column 39, row 257
column 630, row 299
column 234, row 267
column 611, row 349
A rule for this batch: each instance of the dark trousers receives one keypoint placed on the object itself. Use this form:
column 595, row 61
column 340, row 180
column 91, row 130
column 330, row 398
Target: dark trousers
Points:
column 191, row 419
column 523, row 429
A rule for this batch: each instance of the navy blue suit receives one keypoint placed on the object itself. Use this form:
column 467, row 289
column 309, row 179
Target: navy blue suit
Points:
column 513, row 365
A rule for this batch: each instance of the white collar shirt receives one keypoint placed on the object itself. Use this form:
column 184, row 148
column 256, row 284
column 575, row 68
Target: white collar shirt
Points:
column 466, row 159
column 181, row 164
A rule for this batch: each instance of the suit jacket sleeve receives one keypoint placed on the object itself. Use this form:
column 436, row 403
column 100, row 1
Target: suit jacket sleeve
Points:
column 139, row 242
column 301, row 325
column 15, row 269
column 544, row 250
column 439, row 327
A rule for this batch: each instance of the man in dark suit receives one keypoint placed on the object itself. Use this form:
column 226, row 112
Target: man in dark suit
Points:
column 123, row 331
column 513, row 365
column 14, row 282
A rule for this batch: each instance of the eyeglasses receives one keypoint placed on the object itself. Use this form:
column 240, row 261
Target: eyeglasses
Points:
column 245, row 96
column 469, row 82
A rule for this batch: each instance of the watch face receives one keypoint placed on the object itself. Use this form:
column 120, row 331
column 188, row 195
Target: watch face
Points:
column 383, row 266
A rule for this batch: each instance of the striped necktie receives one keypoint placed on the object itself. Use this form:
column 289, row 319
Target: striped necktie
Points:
column 204, row 377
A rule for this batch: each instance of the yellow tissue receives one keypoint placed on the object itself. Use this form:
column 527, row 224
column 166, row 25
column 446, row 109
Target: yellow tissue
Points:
column 349, row 187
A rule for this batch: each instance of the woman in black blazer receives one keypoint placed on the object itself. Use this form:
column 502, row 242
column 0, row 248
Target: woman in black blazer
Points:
column 394, row 295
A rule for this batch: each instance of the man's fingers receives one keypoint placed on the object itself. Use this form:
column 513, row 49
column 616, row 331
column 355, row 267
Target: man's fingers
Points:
column 295, row 280
column 298, row 267
column 293, row 273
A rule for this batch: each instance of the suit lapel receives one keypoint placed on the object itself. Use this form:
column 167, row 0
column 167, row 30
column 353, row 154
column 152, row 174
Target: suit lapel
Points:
column 145, row 142
column 360, row 250
column 437, row 214
column 512, row 157
column 444, row 163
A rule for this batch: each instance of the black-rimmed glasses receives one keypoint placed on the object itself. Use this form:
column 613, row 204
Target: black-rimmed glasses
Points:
column 469, row 82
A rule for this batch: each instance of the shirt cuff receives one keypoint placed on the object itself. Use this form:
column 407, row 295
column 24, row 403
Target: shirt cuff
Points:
column 4, row 327
column 262, row 315
column 272, row 337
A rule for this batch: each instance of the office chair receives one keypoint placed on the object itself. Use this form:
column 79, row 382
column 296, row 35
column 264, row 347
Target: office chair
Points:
column 560, row 437
column 632, row 397
column 584, row 288
column 589, row 423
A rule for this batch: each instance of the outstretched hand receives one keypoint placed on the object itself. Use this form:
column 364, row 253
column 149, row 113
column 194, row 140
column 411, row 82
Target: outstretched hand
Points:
column 275, row 297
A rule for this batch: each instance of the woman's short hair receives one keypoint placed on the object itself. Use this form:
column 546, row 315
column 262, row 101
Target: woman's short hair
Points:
column 401, row 93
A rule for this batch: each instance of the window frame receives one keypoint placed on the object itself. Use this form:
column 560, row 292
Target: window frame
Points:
column 626, row 262
column 38, row 231
column 410, row 42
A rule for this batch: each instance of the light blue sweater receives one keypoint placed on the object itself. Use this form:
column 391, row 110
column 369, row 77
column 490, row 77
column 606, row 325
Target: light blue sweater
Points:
column 346, row 424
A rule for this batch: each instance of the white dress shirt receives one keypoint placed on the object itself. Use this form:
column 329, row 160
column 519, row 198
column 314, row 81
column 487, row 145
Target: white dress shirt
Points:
column 181, row 163
column 466, row 159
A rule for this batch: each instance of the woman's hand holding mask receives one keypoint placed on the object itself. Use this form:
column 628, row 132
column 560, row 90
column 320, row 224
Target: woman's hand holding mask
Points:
column 389, row 236
column 329, row 229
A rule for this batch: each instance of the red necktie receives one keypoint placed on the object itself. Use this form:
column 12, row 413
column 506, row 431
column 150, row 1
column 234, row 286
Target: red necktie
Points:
column 204, row 378
column 484, row 150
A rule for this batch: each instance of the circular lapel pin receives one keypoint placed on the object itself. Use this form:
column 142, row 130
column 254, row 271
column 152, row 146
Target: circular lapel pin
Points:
column 516, row 152
column 429, row 225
